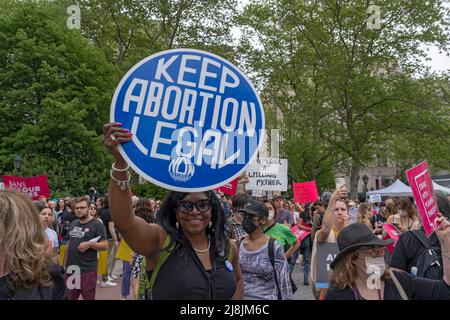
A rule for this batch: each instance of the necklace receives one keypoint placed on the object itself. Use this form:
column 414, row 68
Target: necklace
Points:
column 203, row 251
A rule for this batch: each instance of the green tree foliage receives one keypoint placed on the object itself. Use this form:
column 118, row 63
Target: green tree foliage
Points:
column 346, row 90
column 149, row 190
column 55, row 91
column 130, row 30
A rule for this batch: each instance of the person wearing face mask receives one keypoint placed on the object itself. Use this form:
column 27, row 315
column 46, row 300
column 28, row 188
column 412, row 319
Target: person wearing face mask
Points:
column 281, row 233
column 406, row 219
column 334, row 220
column 265, row 277
column 233, row 226
column 359, row 271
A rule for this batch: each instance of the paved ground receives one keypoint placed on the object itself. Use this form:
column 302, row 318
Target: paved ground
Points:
column 303, row 292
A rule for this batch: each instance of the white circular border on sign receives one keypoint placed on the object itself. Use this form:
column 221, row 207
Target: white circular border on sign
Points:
column 162, row 184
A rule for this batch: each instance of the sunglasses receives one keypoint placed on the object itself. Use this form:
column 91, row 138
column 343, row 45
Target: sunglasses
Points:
column 374, row 251
column 186, row 206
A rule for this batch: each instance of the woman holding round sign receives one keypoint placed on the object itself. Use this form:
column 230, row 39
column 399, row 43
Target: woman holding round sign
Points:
column 201, row 263
column 188, row 121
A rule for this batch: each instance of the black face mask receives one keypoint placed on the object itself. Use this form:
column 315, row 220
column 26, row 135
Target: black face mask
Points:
column 249, row 225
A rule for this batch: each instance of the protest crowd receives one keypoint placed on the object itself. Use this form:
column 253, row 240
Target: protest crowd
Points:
column 232, row 247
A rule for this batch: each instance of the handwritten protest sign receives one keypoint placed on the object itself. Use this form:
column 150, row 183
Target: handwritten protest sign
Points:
column 305, row 192
column 326, row 253
column 422, row 188
column 33, row 186
column 375, row 198
column 195, row 118
column 268, row 174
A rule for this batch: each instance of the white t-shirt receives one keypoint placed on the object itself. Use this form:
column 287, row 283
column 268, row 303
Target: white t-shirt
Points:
column 51, row 235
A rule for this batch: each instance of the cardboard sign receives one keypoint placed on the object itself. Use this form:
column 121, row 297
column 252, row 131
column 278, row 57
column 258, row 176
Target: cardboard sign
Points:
column 392, row 233
column 300, row 234
column 375, row 198
column 33, row 186
column 325, row 254
column 305, row 192
column 268, row 174
column 229, row 188
column 196, row 120
column 422, row 188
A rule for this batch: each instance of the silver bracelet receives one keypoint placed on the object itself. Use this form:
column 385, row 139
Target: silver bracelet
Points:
column 122, row 184
column 113, row 167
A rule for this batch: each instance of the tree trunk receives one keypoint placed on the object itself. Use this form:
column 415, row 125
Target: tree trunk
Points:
column 354, row 177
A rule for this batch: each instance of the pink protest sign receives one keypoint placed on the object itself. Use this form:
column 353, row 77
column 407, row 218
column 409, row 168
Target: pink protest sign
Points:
column 300, row 234
column 230, row 188
column 422, row 188
column 391, row 233
column 33, row 186
column 305, row 192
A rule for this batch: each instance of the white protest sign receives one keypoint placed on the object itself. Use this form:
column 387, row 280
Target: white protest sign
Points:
column 195, row 118
column 268, row 174
column 257, row 193
column 375, row 198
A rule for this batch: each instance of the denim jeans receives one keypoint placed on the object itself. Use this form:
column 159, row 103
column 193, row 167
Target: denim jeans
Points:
column 307, row 262
column 126, row 278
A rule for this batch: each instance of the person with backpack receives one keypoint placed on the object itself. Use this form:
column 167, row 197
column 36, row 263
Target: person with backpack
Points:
column 26, row 270
column 188, row 254
column 359, row 271
column 285, row 237
column 418, row 254
column 263, row 264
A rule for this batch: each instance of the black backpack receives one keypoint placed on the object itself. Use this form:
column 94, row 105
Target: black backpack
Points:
column 428, row 261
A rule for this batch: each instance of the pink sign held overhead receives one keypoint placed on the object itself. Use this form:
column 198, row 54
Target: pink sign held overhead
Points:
column 422, row 187
column 392, row 233
column 230, row 188
column 300, row 234
column 305, row 192
column 33, row 186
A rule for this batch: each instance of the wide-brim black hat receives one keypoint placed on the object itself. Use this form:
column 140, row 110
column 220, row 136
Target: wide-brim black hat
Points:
column 355, row 236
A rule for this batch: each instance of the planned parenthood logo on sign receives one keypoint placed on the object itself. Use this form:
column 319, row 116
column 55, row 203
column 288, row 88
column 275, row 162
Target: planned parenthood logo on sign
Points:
column 196, row 119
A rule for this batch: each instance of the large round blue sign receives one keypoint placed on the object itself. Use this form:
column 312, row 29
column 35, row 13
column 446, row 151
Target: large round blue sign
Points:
column 196, row 119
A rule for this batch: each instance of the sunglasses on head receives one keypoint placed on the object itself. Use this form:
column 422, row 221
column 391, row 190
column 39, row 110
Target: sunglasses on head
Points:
column 185, row 206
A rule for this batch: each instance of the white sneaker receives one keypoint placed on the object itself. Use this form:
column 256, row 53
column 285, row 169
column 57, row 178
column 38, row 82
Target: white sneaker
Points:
column 113, row 277
column 108, row 284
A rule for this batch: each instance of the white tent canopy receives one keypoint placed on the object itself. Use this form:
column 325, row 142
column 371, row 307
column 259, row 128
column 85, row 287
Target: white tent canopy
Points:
column 398, row 189
column 441, row 188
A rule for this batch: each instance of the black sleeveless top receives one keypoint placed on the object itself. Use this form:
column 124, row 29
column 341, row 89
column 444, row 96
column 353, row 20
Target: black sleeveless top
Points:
column 178, row 280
